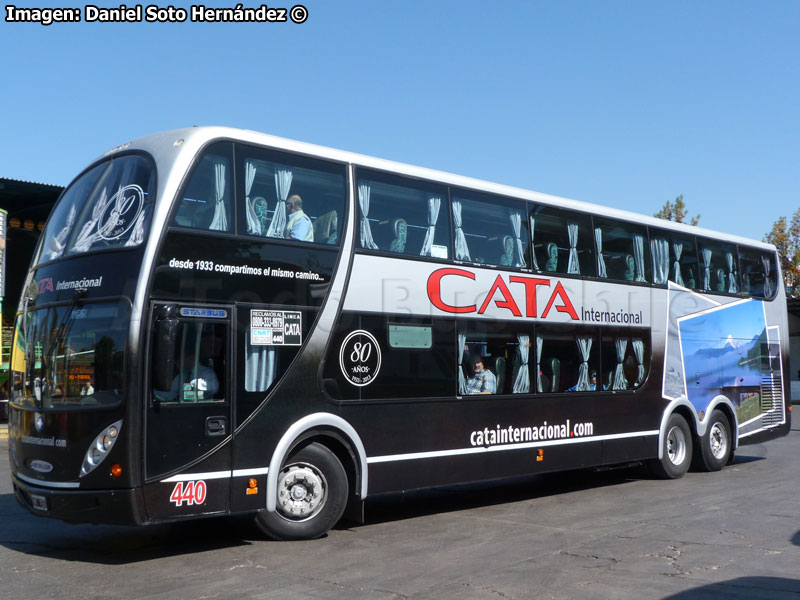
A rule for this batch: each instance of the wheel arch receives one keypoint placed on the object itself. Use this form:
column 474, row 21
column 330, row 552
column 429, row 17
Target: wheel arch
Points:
column 334, row 433
column 698, row 426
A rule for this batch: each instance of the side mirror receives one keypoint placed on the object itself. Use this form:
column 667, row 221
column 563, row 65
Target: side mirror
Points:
column 166, row 324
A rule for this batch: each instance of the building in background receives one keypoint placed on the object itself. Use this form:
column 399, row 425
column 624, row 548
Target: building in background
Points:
column 27, row 205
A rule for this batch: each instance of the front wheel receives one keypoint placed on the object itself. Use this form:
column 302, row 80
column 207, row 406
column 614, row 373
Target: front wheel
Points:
column 676, row 450
column 312, row 495
column 716, row 445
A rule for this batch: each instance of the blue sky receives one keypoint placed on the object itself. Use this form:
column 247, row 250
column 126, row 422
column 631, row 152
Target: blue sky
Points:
column 626, row 104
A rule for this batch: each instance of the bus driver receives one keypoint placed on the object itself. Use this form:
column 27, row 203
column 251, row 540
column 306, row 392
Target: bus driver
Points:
column 194, row 382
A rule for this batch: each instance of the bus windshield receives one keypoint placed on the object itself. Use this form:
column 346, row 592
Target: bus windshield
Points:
column 109, row 206
column 70, row 356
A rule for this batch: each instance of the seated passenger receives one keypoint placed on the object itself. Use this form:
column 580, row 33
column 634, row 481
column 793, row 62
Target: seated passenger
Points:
column 482, row 381
column 551, row 264
column 592, row 383
column 400, row 236
column 298, row 224
column 507, row 258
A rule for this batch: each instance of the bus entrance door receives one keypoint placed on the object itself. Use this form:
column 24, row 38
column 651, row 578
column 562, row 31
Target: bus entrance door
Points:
column 188, row 418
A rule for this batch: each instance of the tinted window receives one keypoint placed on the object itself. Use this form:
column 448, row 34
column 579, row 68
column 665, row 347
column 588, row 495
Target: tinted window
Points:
column 759, row 273
column 64, row 215
column 621, row 251
column 206, row 200
column 493, row 358
column 625, row 359
column 289, row 197
column 199, row 364
column 718, row 266
column 562, row 241
column 568, row 360
column 490, row 230
column 402, row 216
column 674, row 258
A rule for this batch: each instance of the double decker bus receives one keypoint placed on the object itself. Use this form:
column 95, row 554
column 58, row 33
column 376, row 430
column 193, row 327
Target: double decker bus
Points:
column 223, row 322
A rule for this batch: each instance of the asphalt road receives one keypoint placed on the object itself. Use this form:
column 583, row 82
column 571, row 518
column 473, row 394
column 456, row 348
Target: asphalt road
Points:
column 613, row 534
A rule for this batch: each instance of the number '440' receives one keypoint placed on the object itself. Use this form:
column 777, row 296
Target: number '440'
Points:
column 191, row 492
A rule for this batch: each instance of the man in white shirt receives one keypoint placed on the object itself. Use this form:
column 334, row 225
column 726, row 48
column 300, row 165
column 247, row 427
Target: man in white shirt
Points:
column 298, row 225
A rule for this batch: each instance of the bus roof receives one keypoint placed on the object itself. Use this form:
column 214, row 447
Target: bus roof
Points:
column 163, row 144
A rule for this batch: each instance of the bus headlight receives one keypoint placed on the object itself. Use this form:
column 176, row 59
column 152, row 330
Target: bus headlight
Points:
column 100, row 448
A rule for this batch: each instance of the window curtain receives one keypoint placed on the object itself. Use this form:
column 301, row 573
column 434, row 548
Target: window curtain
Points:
column 573, row 266
column 259, row 367
column 601, row 263
column 638, row 350
column 533, row 248
column 585, row 348
column 732, row 288
column 283, row 182
column 539, row 344
column 638, row 257
column 253, row 222
column 462, row 381
column 620, row 383
column 220, row 220
column 434, row 204
column 707, row 269
column 767, row 282
column 522, row 384
column 57, row 242
column 462, row 251
column 677, row 248
column 516, row 226
column 363, row 203
column 659, row 249
column 87, row 235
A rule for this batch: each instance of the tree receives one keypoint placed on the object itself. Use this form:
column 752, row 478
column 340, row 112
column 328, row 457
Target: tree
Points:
column 676, row 212
column 787, row 240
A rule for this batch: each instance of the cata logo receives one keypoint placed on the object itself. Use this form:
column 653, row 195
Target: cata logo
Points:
column 360, row 358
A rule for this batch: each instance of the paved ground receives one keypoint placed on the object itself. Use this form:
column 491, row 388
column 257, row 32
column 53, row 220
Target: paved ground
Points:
column 614, row 534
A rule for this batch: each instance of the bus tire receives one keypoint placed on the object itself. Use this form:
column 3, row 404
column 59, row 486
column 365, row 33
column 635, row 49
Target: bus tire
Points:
column 676, row 450
column 312, row 495
column 716, row 445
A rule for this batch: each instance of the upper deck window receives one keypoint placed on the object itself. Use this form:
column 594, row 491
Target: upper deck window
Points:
column 621, row 251
column 206, row 201
column 109, row 206
column 562, row 241
column 402, row 216
column 674, row 258
column 759, row 272
column 285, row 196
column 490, row 230
column 718, row 266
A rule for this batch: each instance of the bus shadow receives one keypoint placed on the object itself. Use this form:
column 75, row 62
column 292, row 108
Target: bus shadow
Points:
column 796, row 539
column 397, row 507
column 743, row 588
column 25, row 533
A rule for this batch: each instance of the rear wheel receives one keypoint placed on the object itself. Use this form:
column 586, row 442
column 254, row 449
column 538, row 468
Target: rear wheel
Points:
column 312, row 495
column 716, row 445
column 676, row 450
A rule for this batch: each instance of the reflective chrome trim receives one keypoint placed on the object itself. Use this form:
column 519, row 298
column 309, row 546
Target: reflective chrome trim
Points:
column 50, row 484
column 251, row 472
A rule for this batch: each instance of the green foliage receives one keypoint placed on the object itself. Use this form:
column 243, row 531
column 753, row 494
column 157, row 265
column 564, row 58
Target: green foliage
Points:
column 786, row 238
column 676, row 212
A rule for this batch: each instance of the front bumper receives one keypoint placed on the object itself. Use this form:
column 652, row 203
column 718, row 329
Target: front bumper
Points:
column 112, row 507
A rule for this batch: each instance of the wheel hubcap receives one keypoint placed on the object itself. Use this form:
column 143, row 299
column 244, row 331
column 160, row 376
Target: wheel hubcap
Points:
column 718, row 441
column 676, row 446
column 302, row 491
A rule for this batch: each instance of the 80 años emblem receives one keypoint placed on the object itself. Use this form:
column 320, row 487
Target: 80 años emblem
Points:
column 360, row 358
